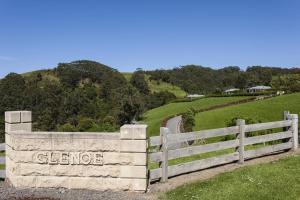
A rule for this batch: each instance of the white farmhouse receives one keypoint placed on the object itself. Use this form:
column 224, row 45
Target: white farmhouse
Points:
column 231, row 91
column 191, row 96
column 259, row 88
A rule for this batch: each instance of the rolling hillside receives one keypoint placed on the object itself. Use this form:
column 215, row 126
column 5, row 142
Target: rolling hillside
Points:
column 263, row 110
column 155, row 117
column 160, row 86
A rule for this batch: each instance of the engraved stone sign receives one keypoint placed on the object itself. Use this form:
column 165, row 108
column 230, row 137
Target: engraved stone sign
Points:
column 69, row 158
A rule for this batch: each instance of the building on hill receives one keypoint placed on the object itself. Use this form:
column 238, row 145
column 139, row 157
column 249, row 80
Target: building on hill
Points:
column 191, row 96
column 259, row 88
column 231, row 91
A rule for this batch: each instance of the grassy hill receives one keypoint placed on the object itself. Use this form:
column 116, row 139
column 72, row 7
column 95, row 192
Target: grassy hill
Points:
column 263, row 110
column 155, row 117
column 160, row 86
column 276, row 180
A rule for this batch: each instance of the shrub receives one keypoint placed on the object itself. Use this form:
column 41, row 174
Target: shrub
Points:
column 188, row 121
column 67, row 128
column 85, row 124
column 248, row 120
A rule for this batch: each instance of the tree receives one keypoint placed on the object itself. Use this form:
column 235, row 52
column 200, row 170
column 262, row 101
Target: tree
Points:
column 139, row 82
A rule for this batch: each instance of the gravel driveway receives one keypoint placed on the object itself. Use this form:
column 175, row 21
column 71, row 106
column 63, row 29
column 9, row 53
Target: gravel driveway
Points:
column 10, row 193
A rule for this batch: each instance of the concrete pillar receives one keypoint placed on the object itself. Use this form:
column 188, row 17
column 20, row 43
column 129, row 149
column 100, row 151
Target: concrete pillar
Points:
column 134, row 142
column 18, row 121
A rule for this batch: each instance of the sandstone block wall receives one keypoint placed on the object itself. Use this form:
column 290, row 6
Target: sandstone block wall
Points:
column 97, row 161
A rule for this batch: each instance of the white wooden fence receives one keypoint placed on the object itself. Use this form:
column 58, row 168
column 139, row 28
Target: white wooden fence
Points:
column 2, row 160
column 287, row 138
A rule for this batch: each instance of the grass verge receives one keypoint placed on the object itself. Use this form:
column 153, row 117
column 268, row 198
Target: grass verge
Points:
column 276, row 180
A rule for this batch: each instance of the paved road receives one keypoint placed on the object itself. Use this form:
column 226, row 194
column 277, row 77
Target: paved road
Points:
column 2, row 147
column 173, row 125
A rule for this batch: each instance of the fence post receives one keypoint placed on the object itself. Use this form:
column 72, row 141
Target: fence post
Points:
column 295, row 140
column 241, row 135
column 164, row 148
column 286, row 117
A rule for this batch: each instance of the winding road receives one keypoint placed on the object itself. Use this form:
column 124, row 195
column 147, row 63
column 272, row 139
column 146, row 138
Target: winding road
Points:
column 173, row 125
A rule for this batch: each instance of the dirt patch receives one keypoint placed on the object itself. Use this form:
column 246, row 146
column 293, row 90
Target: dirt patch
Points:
column 10, row 193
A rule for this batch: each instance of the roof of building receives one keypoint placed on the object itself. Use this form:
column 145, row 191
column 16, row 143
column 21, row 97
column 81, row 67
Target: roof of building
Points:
column 194, row 95
column 232, row 90
column 260, row 87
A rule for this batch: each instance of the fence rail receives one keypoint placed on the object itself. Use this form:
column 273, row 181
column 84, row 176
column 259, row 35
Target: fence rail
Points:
column 288, row 139
column 2, row 160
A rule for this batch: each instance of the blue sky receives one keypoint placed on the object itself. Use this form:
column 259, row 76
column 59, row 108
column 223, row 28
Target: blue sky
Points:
column 149, row 33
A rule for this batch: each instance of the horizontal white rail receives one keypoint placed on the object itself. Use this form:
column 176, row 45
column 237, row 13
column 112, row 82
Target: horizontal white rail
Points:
column 2, row 147
column 194, row 165
column 193, row 150
column 183, row 137
column 2, row 160
column 267, row 150
column 155, row 141
column 268, row 125
column 285, row 141
column 2, row 174
column 268, row 137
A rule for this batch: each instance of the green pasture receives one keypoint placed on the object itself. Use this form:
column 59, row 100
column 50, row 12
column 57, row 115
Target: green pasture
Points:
column 155, row 117
column 262, row 110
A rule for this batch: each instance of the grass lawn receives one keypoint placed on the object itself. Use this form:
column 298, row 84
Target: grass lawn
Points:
column 264, row 110
column 2, row 166
column 2, row 154
column 155, row 117
column 163, row 86
column 277, row 180
column 127, row 75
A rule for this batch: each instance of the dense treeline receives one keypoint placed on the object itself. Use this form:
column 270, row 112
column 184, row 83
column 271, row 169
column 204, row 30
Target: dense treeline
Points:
column 78, row 96
column 203, row 80
column 89, row 96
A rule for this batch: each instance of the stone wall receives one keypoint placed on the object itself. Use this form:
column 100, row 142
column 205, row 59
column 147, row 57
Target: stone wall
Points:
column 97, row 161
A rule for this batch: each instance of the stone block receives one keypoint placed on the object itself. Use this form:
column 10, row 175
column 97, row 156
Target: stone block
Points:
column 8, row 139
column 133, row 184
column 23, row 181
column 13, row 117
column 101, row 145
column 136, row 132
column 26, row 116
column 24, row 169
column 112, row 158
column 102, row 171
column 133, row 172
column 92, row 183
column 17, row 127
column 31, row 144
column 21, row 156
column 84, row 171
column 52, row 182
column 138, row 146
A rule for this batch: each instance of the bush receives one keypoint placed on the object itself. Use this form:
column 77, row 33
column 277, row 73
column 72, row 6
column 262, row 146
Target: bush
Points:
column 188, row 121
column 67, row 128
column 85, row 124
column 248, row 120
